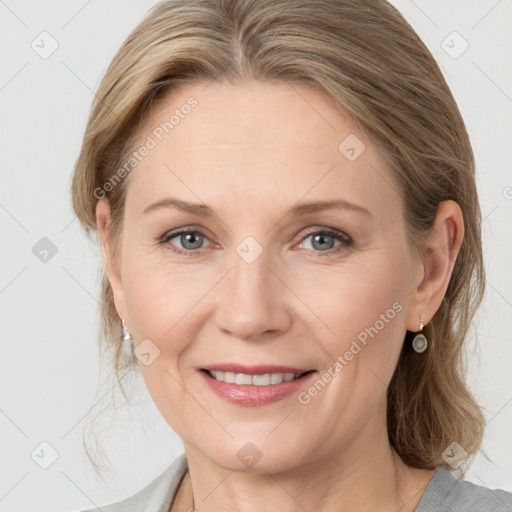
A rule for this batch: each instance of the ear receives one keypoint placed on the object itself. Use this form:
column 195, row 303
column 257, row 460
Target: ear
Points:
column 437, row 260
column 103, row 221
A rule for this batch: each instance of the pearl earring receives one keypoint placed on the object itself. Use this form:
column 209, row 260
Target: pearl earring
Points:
column 420, row 343
column 127, row 335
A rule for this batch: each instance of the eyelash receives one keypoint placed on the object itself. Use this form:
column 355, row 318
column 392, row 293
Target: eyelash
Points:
column 346, row 241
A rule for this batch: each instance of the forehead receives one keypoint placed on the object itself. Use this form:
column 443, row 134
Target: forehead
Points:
column 259, row 141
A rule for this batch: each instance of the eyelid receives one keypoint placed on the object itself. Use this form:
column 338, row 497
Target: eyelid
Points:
column 326, row 229
column 188, row 228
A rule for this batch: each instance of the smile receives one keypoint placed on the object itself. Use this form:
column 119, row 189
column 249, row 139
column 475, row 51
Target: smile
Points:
column 267, row 379
column 254, row 389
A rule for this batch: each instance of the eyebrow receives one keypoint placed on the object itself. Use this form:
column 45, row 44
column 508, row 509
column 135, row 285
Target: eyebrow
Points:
column 203, row 210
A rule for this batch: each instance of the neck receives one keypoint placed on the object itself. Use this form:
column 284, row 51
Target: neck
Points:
column 364, row 474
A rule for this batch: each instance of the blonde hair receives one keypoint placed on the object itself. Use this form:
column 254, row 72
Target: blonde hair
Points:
column 367, row 59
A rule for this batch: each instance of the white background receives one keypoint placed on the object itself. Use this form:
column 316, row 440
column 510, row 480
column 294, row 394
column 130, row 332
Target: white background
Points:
column 49, row 364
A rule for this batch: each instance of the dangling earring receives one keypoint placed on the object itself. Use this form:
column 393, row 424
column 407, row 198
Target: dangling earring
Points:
column 419, row 343
column 127, row 335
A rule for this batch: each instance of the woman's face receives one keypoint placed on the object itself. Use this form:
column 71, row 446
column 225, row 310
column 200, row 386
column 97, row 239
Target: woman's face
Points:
column 268, row 283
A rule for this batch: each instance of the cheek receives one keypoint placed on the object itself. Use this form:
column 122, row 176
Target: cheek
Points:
column 164, row 304
column 362, row 311
column 161, row 297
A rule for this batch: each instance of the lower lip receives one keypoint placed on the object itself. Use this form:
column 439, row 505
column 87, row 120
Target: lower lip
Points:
column 254, row 396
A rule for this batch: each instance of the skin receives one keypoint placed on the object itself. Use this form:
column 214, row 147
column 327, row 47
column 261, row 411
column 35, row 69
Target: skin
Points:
column 251, row 151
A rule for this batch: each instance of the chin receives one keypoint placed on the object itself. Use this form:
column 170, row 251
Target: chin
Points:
column 259, row 455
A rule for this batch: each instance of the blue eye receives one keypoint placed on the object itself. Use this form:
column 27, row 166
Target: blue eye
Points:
column 191, row 240
column 322, row 242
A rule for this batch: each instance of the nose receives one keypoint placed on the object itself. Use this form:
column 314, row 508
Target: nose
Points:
column 253, row 301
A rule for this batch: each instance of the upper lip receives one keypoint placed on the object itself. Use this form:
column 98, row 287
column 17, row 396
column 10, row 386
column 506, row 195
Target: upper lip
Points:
column 254, row 370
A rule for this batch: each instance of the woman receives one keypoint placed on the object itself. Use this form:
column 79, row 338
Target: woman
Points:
column 284, row 194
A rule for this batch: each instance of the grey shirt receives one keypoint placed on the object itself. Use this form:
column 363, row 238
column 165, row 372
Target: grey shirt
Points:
column 444, row 493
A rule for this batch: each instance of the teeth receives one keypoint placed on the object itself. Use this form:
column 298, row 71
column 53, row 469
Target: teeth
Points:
column 253, row 380
column 241, row 378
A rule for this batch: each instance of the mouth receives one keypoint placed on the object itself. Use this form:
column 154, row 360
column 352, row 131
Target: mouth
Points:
column 254, row 386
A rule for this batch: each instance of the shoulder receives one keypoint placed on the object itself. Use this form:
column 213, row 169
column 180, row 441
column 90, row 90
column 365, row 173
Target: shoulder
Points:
column 447, row 493
column 156, row 496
